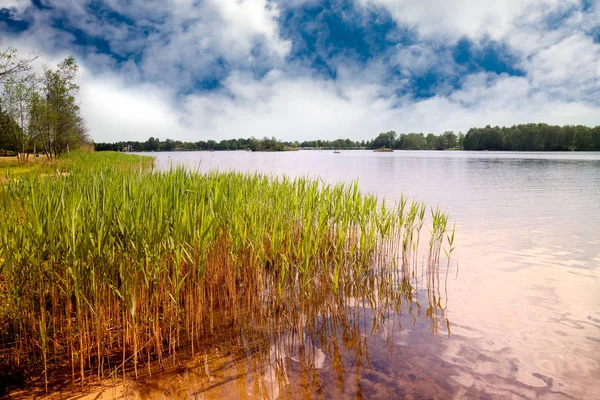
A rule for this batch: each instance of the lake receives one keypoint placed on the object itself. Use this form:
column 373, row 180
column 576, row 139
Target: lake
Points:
column 523, row 290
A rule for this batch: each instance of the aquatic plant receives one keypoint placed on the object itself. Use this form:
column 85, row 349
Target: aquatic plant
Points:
column 105, row 270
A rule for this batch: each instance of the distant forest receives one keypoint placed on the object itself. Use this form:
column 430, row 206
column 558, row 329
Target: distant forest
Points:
column 534, row 137
column 527, row 137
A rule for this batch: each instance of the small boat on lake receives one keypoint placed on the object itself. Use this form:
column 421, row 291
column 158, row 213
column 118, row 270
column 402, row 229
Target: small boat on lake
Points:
column 383, row 150
column 336, row 152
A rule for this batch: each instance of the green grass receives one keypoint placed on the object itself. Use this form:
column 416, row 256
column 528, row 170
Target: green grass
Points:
column 11, row 168
column 81, row 161
column 114, row 260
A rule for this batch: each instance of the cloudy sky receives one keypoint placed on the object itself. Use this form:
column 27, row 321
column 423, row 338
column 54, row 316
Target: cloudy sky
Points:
column 309, row 69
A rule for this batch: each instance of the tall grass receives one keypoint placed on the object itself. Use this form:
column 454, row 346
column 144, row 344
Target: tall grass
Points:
column 75, row 161
column 106, row 271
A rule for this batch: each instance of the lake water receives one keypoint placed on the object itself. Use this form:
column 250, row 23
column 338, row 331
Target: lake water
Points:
column 524, row 289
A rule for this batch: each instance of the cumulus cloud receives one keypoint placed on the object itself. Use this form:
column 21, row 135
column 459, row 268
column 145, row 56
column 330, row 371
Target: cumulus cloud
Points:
column 15, row 5
column 420, row 58
column 245, row 20
column 576, row 77
column 289, row 108
column 471, row 18
column 116, row 112
column 301, row 108
column 145, row 66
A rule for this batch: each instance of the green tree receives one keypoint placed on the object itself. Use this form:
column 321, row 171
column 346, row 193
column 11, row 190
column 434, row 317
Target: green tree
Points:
column 413, row 141
column 168, row 145
column 37, row 111
column 14, row 78
column 441, row 143
column 8, row 127
column 461, row 139
column 254, row 144
column 16, row 101
column 152, row 144
column 387, row 139
column 596, row 138
column 63, row 126
column 450, row 139
column 431, row 139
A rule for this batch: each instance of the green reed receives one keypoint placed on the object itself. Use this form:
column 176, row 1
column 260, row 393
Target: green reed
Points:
column 106, row 270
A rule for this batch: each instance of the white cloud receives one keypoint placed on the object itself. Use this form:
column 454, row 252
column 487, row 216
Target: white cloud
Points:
column 300, row 108
column 471, row 18
column 244, row 20
column 143, row 97
column 16, row 5
column 569, row 69
column 287, row 108
column 309, row 108
column 180, row 41
column 115, row 112
column 187, row 45
column 418, row 59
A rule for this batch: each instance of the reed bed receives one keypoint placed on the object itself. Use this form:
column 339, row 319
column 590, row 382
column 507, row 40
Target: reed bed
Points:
column 73, row 162
column 107, row 271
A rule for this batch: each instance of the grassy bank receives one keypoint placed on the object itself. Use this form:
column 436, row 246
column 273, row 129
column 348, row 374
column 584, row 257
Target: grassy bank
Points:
column 82, row 161
column 109, row 268
column 11, row 168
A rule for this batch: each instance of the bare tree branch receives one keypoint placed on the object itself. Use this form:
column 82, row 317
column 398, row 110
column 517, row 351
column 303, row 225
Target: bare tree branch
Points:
column 11, row 64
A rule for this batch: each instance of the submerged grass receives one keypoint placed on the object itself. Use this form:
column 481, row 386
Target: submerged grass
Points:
column 107, row 270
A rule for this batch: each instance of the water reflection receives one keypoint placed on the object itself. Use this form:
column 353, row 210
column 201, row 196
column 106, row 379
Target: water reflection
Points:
column 356, row 342
column 525, row 309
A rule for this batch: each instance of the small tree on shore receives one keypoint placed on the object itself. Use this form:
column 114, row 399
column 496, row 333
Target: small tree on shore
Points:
column 16, row 101
column 14, row 73
column 39, row 111
column 61, row 126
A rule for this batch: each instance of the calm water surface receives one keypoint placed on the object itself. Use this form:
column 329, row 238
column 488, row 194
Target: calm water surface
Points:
column 524, row 289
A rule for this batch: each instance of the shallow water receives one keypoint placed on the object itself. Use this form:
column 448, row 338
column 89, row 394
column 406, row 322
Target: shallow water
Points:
column 523, row 292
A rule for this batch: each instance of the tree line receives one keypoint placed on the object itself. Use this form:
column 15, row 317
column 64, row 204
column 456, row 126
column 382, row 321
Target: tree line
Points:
column 39, row 112
column 534, row 137
column 525, row 137
column 411, row 141
column 253, row 144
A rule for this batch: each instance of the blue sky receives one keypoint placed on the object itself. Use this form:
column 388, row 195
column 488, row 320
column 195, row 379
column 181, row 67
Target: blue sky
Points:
column 307, row 69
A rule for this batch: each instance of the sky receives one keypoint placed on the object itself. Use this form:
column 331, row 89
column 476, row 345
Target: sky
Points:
column 306, row 69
